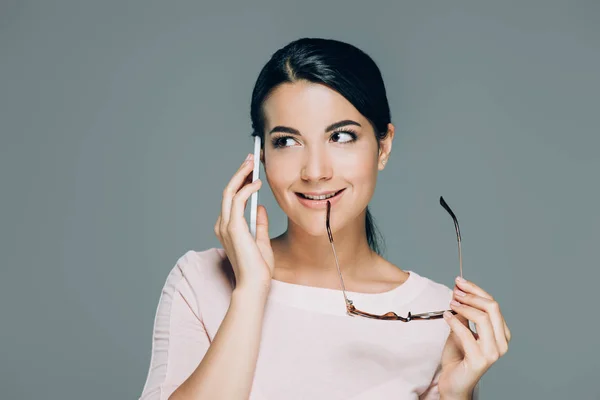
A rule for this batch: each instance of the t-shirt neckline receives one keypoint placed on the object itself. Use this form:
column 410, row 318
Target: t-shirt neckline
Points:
column 331, row 301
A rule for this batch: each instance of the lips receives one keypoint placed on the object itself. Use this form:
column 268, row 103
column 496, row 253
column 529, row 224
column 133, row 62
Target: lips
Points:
column 320, row 203
column 320, row 194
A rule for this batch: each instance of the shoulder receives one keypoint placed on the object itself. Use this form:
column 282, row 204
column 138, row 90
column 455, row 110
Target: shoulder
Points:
column 205, row 261
column 197, row 289
column 202, row 272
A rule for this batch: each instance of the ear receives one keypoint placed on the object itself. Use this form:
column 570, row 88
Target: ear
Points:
column 262, row 156
column 385, row 147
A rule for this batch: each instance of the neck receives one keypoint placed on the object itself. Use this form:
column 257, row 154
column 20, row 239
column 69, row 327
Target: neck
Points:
column 309, row 259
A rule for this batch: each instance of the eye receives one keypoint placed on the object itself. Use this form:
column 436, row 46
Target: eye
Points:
column 282, row 141
column 342, row 137
column 345, row 136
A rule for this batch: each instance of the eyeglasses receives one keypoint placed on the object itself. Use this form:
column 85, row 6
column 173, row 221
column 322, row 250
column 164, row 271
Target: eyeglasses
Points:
column 392, row 316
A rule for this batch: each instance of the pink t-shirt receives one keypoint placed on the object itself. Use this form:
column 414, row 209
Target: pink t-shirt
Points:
column 310, row 347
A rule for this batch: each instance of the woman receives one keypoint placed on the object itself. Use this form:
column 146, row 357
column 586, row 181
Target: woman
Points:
column 270, row 318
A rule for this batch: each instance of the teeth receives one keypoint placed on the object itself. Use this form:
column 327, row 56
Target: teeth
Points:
column 319, row 197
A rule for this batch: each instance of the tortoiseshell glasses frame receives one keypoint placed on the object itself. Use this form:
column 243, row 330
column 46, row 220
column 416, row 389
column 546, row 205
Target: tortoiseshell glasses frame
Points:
column 392, row 316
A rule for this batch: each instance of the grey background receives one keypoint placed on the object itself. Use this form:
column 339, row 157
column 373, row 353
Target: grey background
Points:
column 121, row 122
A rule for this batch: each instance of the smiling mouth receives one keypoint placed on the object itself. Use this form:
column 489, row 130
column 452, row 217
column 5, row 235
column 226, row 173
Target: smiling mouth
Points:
column 319, row 198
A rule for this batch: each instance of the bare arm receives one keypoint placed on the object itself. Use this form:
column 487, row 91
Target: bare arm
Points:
column 227, row 369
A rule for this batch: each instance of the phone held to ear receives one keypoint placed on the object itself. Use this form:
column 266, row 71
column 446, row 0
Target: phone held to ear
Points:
column 254, row 196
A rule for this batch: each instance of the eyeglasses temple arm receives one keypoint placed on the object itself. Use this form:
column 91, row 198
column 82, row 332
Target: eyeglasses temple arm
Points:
column 337, row 264
column 457, row 228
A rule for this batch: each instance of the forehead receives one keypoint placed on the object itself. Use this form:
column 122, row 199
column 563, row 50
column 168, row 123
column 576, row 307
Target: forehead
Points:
column 306, row 106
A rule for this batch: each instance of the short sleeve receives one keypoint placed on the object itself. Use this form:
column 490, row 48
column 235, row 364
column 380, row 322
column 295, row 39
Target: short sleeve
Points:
column 179, row 338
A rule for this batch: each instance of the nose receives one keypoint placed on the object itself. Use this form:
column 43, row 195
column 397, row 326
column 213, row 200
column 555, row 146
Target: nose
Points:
column 316, row 166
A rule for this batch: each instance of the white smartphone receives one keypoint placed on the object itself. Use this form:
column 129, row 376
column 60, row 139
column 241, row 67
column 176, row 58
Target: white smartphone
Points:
column 254, row 196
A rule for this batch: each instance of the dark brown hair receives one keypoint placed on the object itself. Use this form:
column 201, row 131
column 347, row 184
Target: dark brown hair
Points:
column 341, row 67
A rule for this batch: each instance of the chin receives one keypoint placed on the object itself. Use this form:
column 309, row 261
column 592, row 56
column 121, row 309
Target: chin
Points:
column 313, row 221
column 314, row 225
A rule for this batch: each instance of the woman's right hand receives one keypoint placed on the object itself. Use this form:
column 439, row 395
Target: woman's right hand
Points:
column 252, row 261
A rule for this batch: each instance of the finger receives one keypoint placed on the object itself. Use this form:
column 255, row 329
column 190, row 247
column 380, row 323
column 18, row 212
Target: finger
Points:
column 492, row 308
column 263, row 240
column 232, row 188
column 464, row 335
column 237, row 181
column 247, row 182
column 262, row 224
column 470, row 287
column 238, row 204
column 464, row 321
column 217, row 227
column 487, row 338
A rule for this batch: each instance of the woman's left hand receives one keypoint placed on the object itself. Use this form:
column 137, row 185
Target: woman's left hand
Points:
column 468, row 355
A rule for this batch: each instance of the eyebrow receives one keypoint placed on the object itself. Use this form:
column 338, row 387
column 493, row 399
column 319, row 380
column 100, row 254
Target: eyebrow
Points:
column 287, row 129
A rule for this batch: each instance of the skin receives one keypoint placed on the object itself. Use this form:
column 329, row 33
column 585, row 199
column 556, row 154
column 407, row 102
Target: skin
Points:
column 316, row 160
column 467, row 355
column 319, row 160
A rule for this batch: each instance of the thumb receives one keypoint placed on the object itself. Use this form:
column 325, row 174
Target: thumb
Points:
column 262, row 234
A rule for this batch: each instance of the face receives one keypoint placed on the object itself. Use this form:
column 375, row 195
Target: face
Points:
column 317, row 142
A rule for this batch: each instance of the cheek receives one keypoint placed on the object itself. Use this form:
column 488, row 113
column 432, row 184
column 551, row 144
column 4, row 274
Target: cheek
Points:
column 359, row 168
column 280, row 174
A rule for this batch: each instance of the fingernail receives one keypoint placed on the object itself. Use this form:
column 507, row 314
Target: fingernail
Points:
column 249, row 156
column 455, row 303
column 460, row 293
column 460, row 279
column 447, row 315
